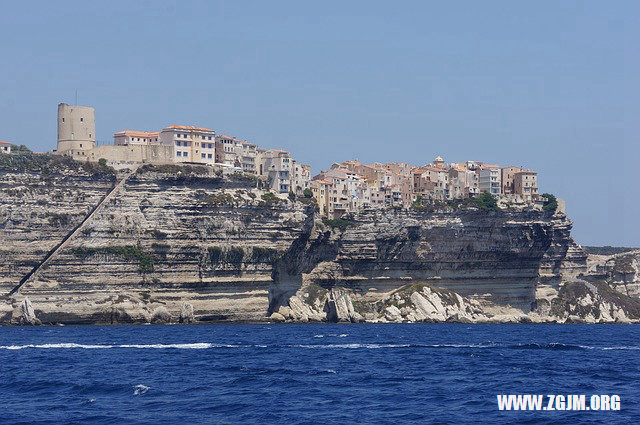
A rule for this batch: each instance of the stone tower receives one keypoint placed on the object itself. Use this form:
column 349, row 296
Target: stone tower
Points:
column 76, row 128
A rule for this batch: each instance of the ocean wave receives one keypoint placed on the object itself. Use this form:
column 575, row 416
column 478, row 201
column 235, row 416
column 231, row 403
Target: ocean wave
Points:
column 140, row 389
column 350, row 346
column 190, row 346
column 209, row 345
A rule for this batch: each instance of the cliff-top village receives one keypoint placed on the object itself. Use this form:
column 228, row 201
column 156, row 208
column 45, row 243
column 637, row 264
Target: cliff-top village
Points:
column 346, row 187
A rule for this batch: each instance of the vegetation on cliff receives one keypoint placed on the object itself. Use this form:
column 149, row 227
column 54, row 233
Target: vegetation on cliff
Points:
column 551, row 203
column 340, row 223
column 130, row 253
column 24, row 160
column 485, row 201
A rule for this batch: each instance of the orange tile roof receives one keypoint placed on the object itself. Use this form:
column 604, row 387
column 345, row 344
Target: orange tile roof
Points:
column 5, row 143
column 188, row 127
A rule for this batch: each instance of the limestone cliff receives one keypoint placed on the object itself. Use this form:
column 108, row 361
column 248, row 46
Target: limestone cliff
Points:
column 183, row 244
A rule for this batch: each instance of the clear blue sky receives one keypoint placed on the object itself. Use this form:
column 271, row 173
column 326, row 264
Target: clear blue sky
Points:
column 552, row 85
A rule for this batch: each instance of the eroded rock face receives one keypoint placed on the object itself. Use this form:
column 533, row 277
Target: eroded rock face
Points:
column 181, row 244
column 497, row 255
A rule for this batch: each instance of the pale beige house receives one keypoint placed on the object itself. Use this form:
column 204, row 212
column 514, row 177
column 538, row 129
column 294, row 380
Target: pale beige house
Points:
column 507, row 176
column 321, row 192
column 525, row 184
column 190, row 143
column 246, row 155
column 300, row 177
column 275, row 167
column 226, row 150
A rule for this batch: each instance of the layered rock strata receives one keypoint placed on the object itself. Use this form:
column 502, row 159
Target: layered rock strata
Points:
column 182, row 244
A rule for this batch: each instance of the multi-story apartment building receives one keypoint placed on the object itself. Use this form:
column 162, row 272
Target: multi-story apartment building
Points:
column 440, row 179
column 246, row 156
column 489, row 179
column 321, row 190
column 275, row 166
column 226, row 150
column 191, row 144
column 525, row 184
column 134, row 137
column 507, row 174
column 300, row 177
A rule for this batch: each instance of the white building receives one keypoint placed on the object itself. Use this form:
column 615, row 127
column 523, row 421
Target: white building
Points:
column 190, row 144
column 300, row 177
column 489, row 179
column 133, row 137
column 5, row 147
column 245, row 156
column 275, row 165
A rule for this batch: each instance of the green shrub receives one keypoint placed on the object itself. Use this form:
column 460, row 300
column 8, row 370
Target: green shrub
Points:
column 220, row 199
column 292, row 196
column 270, row 198
column 264, row 255
column 130, row 253
column 551, row 204
column 233, row 256
column 307, row 193
column 485, row 201
column 215, row 255
column 340, row 223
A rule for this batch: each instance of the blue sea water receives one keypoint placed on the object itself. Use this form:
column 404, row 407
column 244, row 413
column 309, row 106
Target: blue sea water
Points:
column 328, row 374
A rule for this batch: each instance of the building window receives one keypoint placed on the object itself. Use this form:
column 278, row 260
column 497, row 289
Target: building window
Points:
column 209, row 156
column 80, row 144
column 178, row 153
column 203, row 155
column 81, row 119
column 62, row 119
column 184, row 154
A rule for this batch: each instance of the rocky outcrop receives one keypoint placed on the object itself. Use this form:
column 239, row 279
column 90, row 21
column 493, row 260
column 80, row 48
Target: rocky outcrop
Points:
column 493, row 255
column 182, row 244
column 621, row 271
column 25, row 315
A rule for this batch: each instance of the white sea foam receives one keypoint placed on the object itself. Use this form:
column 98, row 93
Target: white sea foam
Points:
column 140, row 389
column 350, row 346
column 623, row 347
column 208, row 345
column 191, row 346
column 194, row 346
column 50, row 346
